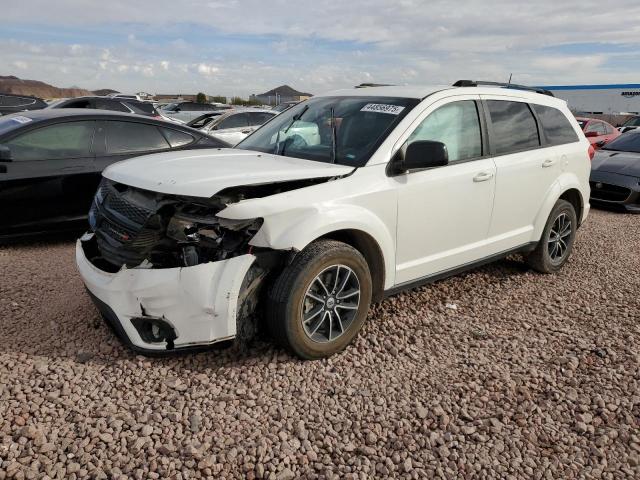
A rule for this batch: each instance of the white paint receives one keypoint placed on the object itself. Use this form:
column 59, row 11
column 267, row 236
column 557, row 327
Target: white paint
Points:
column 199, row 301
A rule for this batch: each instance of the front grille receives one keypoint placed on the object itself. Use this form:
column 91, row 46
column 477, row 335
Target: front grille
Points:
column 608, row 192
column 121, row 225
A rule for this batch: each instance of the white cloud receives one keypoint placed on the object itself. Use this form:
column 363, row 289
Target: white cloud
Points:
column 318, row 46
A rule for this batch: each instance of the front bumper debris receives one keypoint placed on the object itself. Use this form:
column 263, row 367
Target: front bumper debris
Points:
column 153, row 310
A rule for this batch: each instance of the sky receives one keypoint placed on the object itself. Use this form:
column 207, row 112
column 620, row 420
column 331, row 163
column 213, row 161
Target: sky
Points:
column 235, row 47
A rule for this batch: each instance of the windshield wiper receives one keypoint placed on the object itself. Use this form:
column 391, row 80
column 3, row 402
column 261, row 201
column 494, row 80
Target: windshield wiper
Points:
column 293, row 120
column 334, row 143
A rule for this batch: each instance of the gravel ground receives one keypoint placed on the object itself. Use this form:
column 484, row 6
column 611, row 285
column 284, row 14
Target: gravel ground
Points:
column 499, row 373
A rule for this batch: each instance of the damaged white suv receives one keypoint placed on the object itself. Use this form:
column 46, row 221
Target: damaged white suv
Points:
column 335, row 203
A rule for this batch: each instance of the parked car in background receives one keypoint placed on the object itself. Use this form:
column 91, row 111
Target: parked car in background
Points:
column 125, row 96
column 51, row 159
column 204, row 120
column 598, row 132
column 114, row 104
column 399, row 186
column 235, row 125
column 187, row 111
column 283, row 106
column 615, row 173
column 10, row 103
column 631, row 124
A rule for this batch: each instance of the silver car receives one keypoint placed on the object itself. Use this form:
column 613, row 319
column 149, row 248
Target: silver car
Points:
column 187, row 111
column 236, row 125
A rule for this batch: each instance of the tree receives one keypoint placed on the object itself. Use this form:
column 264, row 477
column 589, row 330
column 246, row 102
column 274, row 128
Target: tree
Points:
column 219, row 99
column 201, row 98
column 237, row 101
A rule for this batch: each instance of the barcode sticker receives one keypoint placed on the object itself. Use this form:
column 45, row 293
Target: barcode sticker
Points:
column 21, row 119
column 382, row 108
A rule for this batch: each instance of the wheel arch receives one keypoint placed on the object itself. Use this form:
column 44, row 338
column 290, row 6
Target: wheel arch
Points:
column 574, row 197
column 370, row 250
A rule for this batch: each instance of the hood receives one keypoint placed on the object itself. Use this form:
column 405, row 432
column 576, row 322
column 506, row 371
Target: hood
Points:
column 622, row 163
column 203, row 173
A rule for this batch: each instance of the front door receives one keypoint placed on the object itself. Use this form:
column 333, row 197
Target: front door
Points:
column 46, row 181
column 444, row 213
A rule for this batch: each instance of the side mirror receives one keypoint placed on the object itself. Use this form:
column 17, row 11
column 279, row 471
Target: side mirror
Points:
column 425, row 154
column 591, row 134
column 5, row 153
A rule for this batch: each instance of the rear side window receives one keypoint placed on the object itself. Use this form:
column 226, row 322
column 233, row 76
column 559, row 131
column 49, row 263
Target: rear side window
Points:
column 76, row 104
column 258, row 118
column 556, row 127
column 233, row 121
column 8, row 101
column 141, row 108
column 176, row 138
column 514, row 127
column 125, row 137
column 595, row 126
column 66, row 140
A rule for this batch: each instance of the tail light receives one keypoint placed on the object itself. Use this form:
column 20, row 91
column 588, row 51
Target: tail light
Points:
column 591, row 152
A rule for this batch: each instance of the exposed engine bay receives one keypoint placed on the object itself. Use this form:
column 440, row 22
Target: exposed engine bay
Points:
column 139, row 228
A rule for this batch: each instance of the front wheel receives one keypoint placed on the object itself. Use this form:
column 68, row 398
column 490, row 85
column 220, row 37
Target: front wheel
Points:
column 319, row 302
column 555, row 246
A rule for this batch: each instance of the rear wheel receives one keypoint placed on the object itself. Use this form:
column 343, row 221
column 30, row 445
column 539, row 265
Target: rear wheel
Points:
column 319, row 302
column 555, row 246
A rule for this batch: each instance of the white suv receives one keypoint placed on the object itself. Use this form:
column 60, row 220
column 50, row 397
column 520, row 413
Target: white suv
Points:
column 337, row 202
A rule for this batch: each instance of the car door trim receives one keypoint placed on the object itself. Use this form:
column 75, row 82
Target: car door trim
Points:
column 527, row 247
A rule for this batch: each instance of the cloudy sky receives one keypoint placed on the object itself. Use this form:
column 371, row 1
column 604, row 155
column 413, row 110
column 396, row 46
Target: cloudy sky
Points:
column 234, row 47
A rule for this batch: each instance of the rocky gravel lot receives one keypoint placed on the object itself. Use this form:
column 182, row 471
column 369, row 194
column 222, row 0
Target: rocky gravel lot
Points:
column 499, row 373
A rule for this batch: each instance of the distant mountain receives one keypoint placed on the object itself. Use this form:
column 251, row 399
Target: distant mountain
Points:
column 12, row 84
column 103, row 92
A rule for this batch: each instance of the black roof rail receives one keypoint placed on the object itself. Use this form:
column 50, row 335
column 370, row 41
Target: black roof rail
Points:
column 476, row 83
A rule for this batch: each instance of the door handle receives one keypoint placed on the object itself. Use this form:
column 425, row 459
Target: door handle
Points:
column 483, row 177
column 549, row 162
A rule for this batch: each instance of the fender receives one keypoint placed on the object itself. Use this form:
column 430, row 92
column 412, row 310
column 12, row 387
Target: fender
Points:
column 566, row 181
column 298, row 227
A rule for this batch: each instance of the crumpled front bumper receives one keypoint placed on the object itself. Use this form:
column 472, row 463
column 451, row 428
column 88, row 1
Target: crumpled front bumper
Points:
column 199, row 303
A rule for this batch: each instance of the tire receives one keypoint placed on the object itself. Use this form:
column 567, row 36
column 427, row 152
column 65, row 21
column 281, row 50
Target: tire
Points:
column 298, row 293
column 547, row 258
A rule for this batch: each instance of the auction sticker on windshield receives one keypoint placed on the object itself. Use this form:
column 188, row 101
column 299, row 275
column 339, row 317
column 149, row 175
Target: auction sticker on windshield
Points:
column 382, row 108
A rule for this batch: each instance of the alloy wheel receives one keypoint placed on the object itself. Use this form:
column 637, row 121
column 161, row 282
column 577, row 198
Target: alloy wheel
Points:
column 558, row 243
column 330, row 303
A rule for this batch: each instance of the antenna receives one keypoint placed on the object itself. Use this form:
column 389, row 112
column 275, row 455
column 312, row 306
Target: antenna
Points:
column 510, row 75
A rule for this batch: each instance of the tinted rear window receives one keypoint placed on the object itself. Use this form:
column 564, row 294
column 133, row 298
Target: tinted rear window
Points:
column 142, row 107
column 556, row 127
column 125, row 137
column 514, row 127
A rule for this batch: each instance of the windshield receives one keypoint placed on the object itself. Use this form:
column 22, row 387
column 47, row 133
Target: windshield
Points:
column 627, row 142
column 347, row 129
column 169, row 107
column 632, row 122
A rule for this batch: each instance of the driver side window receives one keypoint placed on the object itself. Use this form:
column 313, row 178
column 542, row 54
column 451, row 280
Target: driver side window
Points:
column 455, row 124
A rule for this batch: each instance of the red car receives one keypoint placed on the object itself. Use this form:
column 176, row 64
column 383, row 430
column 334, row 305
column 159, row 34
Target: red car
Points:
column 598, row 132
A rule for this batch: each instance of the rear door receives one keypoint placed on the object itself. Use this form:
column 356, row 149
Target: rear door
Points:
column 51, row 178
column 525, row 170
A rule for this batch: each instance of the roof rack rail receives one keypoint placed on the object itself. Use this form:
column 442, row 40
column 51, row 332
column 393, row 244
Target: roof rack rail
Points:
column 476, row 83
column 366, row 85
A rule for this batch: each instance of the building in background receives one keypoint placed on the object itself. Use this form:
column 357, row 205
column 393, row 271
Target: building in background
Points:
column 280, row 95
column 612, row 99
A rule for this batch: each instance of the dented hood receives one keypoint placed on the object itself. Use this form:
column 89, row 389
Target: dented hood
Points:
column 203, row 173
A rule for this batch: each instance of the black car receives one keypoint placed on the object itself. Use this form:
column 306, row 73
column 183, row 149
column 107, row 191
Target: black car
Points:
column 10, row 103
column 124, row 105
column 51, row 161
column 615, row 173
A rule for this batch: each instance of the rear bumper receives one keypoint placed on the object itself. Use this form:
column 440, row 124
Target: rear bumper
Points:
column 197, row 304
